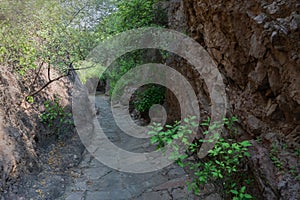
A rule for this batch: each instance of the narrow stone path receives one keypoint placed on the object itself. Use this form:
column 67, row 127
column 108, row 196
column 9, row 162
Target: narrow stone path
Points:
column 92, row 180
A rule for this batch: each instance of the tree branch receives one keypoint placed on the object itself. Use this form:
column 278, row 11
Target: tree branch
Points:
column 49, row 76
column 58, row 78
column 75, row 15
column 37, row 74
column 47, row 84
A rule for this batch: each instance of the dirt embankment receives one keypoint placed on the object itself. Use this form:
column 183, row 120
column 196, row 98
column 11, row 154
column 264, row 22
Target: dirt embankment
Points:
column 22, row 135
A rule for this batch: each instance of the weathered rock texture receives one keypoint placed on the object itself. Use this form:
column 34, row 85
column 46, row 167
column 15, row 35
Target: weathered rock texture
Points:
column 257, row 48
column 20, row 128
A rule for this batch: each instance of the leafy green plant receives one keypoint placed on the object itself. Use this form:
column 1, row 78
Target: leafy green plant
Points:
column 124, row 64
column 240, row 194
column 297, row 151
column 274, row 156
column 153, row 94
column 30, row 99
column 21, row 53
column 171, row 135
column 222, row 164
column 127, row 15
column 162, row 138
column 294, row 171
column 131, row 14
column 55, row 116
column 259, row 139
column 44, row 34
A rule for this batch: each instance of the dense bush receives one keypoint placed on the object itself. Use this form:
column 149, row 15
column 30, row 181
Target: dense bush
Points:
column 152, row 94
column 130, row 15
column 55, row 117
column 223, row 165
column 43, row 31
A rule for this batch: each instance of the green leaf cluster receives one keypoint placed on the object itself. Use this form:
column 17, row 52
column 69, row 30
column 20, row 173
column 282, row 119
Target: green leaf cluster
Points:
column 55, row 116
column 153, row 94
column 274, row 152
column 223, row 163
column 36, row 31
column 131, row 14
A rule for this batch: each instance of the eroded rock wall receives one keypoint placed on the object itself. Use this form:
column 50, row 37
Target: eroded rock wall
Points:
column 256, row 45
column 20, row 128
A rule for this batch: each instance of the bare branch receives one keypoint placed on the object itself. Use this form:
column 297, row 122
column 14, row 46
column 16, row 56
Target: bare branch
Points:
column 58, row 78
column 37, row 74
column 49, row 73
column 75, row 14
column 47, row 84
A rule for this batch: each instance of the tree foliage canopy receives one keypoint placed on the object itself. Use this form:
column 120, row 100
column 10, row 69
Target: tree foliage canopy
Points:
column 47, row 31
column 61, row 33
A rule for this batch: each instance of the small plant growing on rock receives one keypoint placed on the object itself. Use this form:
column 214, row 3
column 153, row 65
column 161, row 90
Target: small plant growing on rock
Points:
column 223, row 164
column 55, row 115
column 175, row 132
column 274, row 156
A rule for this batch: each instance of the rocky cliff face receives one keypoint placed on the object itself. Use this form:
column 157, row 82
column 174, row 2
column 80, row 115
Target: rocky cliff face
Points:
column 257, row 48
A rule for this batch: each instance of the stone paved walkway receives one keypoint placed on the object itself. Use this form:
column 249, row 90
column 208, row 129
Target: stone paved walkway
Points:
column 92, row 180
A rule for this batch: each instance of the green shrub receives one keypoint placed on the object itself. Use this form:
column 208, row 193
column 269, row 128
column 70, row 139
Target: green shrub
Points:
column 20, row 53
column 153, row 94
column 39, row 31
column 55, row 116
column 123, row 65
column 131, row 14
column 223, row 163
